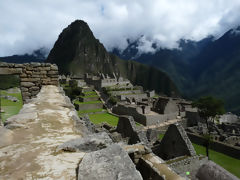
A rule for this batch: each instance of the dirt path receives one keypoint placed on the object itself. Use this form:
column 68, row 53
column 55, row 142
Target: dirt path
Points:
column 47, row 123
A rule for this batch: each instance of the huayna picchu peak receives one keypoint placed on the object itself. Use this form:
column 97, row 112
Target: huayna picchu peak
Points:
column 77, row 52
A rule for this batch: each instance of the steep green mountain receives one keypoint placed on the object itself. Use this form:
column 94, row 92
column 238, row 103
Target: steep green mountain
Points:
column 217, row 70
column 77, row 51
column 207, row 67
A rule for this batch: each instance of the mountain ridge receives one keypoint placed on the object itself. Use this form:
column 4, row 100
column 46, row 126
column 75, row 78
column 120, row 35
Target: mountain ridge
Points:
column 77, row 51
column 207, row 67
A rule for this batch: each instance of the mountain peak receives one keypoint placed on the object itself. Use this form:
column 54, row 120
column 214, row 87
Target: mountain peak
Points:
column 77, row 51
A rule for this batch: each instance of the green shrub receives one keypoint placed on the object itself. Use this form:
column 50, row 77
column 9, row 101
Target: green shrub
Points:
column 113, row 100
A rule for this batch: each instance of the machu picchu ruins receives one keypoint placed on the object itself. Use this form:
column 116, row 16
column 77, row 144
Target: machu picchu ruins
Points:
column 141, row 95
column 127, row 147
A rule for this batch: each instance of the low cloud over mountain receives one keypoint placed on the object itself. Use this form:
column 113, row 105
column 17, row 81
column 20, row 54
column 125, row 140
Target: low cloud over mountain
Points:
column 28, row 25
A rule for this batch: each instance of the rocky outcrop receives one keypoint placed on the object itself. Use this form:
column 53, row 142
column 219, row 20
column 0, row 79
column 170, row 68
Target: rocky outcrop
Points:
column 32, row 76
column 212, row 171
column 92, row 142
column 44, row 123
column 108, row 164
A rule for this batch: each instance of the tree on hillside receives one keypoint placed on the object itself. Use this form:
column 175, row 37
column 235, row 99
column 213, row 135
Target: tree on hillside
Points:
column 208, row 108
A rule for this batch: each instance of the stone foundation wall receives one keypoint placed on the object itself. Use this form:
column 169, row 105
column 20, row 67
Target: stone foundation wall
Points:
column 216, row 146
column 32, row 76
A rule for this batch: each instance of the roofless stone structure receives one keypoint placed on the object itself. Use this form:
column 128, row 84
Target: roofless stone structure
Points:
column 175, row 143
column 32, row 76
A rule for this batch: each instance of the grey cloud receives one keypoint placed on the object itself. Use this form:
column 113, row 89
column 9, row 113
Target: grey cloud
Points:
column 28, row 25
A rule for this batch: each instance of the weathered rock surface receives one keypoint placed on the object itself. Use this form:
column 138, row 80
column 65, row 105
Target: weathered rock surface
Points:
column 32, row 151
column 212, row 171
column 92, row 142
column 6, row 136
column 111, row 163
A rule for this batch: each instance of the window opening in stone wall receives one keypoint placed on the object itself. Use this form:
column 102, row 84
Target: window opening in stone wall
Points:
column 10, row 96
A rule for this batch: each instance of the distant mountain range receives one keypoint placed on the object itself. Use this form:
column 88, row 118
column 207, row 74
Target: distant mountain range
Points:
column 37, row 56
column 208, row 67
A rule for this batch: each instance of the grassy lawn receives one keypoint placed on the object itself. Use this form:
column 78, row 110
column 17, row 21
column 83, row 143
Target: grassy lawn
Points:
column 160, row 136
column 89, row 102
column 90, row 111
column 88, row 93
column 91, row 95
column 227, row 162
column 10, row 108
column 105, row 117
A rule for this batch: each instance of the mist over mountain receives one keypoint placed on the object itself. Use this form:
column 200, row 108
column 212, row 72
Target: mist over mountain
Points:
column 207, row 67
column 37, row 56
column 77, row 51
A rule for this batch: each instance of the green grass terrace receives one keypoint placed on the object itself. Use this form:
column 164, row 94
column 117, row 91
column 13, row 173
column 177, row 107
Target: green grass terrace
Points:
column 91, row 111
column 227, row 162
column 88, row 102
column 10, row 108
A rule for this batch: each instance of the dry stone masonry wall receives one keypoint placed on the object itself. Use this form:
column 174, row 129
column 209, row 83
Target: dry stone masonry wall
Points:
column 32, row 76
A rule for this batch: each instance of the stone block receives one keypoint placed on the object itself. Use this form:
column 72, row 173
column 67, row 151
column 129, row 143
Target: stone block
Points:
column 23, row 89
column 34, row 93
column 27, row 84
column 29, row 72
column 30, row 79
column 52, row 73
column 3, row 64
column 212, row 171
column 36, row 75
column 108, row 164
column 34, row 88
column 25, row 94
column 43, row 72
column 54, row 67
column 92, row 142
column 23, row 75
column 5, row 70
column 35, row 64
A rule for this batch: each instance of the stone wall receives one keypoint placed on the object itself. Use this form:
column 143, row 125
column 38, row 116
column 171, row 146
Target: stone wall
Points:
column 115, row 93
column 81, row 107
column 216, row 146
column 130, row 111
column 136, row 96
column 175, row 143
column 32, row 76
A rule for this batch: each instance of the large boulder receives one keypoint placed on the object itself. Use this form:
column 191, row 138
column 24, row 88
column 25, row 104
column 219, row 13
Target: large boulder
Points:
column 112, row 163
column 92, row 142
column 212, row 171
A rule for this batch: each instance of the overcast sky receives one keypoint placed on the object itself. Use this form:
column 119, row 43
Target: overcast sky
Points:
column 26, row 25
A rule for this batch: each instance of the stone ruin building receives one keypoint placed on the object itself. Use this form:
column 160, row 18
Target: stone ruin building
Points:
column 103, row 80
column 32, row 76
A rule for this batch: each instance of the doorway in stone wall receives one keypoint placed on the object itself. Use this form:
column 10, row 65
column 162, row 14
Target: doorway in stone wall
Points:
column 10, row 96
